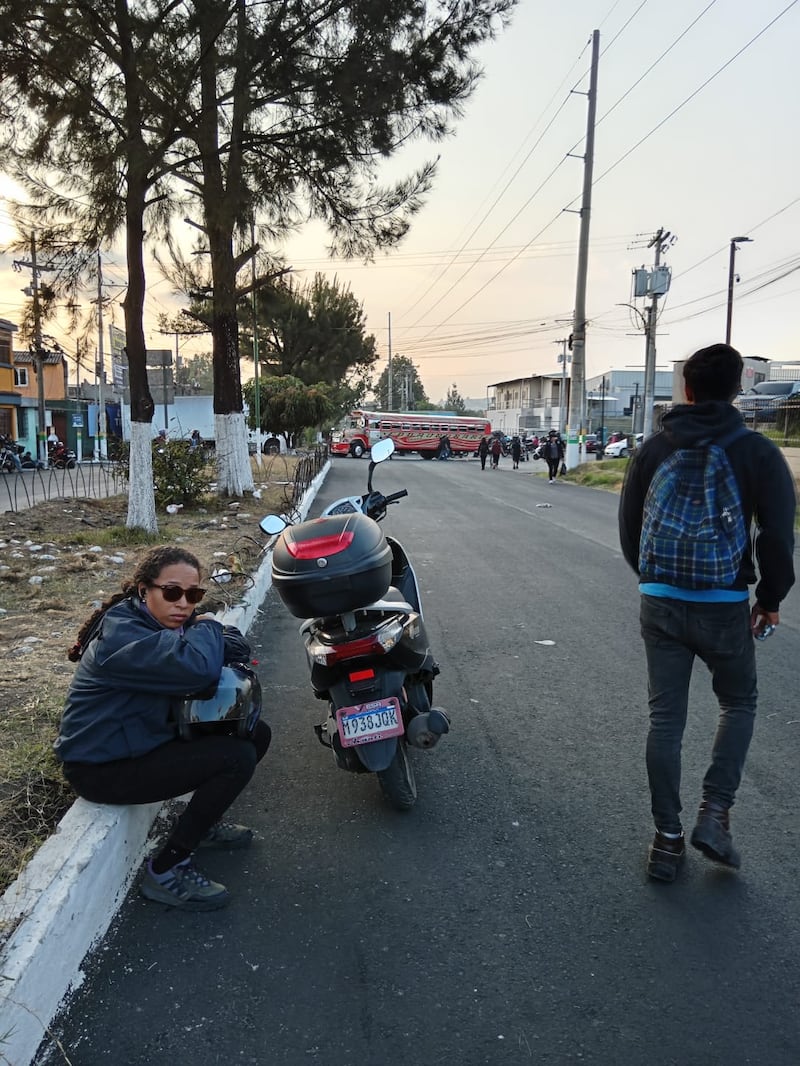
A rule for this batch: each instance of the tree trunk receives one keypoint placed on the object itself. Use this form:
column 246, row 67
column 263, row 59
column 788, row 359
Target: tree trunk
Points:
column 141, row 493
column 222, row 192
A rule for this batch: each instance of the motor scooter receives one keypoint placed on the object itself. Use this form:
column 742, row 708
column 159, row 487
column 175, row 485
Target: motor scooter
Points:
column 364, row 635
column 61, row 457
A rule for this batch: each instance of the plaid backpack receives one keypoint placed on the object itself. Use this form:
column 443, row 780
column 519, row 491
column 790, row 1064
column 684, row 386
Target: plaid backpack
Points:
column 694, row 533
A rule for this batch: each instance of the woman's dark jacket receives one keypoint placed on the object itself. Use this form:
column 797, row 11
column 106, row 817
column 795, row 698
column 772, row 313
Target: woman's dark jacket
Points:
column 765, row 484
column 132, row 676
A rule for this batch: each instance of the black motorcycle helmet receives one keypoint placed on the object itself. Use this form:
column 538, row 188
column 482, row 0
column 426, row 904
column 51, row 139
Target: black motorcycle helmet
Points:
column 233, row 708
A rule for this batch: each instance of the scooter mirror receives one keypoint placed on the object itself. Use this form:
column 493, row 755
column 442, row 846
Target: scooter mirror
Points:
column 381, row 449
column 272, row 525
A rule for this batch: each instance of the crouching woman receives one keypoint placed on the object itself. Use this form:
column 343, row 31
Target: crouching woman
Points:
column 139, row 656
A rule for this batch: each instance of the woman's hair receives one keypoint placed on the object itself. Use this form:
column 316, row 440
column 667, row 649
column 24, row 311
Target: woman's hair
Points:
column 145, row 574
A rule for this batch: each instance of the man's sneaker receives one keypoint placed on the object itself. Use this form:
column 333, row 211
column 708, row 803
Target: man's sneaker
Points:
column 665, row 857
column 227, row 835
column 185, row 887
column 712, row 834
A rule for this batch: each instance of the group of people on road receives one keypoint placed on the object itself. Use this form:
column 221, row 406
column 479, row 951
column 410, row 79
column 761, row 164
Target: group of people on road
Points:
column 551, row 449
column 147, row 648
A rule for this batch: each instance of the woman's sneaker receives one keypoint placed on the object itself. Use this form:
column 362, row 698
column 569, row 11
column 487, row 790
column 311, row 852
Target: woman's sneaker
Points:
column 184, row 886
column 227, row 835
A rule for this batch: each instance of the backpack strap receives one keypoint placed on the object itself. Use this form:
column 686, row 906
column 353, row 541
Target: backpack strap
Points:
column 729, row 438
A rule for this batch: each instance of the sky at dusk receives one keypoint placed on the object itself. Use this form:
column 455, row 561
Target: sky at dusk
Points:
column 697, row 119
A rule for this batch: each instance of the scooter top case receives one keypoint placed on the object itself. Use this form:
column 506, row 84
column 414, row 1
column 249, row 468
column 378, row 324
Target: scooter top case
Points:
column 331, row 565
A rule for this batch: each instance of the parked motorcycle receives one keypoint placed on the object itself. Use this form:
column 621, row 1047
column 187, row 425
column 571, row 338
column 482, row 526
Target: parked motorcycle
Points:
column 9, row 454
column 363, row 633
column 61, row 457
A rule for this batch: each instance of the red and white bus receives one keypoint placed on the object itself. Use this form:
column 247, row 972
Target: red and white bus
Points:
column 411, row 431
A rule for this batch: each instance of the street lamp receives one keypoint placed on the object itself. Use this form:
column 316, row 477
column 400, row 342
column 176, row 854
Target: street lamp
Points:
column 735, row 242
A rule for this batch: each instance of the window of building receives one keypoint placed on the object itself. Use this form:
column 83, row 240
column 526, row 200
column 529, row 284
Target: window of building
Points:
column 21, row 377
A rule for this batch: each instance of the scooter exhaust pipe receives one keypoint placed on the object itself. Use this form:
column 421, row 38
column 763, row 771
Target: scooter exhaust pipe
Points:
column 424, row 730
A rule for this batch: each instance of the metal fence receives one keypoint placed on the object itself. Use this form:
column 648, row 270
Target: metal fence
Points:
column 305, row 472
column 22, row 489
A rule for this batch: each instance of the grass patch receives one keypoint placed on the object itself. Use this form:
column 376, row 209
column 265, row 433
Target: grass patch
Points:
column 116, row 537
column 605, row 474
column 33, row 793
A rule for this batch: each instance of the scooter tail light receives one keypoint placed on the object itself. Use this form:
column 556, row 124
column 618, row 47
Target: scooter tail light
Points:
column 378, row 643
column 361, row 675
column 319, row 547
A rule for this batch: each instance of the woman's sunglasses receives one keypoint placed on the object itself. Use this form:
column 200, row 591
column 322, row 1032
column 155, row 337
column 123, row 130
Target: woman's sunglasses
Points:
column 172, row 593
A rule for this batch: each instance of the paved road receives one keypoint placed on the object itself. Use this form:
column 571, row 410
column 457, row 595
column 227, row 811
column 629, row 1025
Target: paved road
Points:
column 507, row 918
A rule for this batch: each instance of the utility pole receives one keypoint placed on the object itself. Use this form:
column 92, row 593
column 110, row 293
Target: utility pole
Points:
column 578, row 377
column 562, row 395
column 735, row 242
column 38, row 354
column 101, row 443
column 389, row 381
column 256, row 388
column 658, row 287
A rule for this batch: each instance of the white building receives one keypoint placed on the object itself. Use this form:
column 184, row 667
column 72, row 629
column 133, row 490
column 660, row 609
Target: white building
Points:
column 537, row 403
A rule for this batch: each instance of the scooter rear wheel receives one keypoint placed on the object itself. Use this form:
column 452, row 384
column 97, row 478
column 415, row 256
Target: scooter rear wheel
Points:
column 397, row 781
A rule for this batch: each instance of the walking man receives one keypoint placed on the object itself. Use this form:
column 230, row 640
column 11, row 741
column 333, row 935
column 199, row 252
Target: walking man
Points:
column 483, row 451
column 553, row 453
column 690, row 495
column 516, row 451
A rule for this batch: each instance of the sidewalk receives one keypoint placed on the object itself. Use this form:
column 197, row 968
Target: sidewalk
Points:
column 64, row 900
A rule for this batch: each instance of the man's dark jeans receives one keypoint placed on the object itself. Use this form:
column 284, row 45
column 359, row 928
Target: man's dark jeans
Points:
column 674, row 633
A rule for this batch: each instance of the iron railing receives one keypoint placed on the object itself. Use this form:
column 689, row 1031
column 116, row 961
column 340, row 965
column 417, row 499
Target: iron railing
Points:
column 22, row 489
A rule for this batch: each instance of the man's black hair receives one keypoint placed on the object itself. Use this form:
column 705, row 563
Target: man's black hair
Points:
column 714, row 373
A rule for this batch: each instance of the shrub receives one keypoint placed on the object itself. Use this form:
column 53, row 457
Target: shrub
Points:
column 180, row 474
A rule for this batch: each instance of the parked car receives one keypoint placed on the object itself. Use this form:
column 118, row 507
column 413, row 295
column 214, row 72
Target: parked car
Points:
column 764, row 400
column 621, row 449
column 591, row 443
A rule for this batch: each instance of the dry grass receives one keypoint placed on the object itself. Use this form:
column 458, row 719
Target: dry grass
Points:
column 58, row 560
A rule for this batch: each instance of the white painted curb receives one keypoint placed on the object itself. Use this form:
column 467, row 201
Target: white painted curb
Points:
column 65, row 898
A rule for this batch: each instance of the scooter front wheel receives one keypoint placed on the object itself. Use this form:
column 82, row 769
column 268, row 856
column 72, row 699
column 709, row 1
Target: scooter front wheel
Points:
column 397, row 781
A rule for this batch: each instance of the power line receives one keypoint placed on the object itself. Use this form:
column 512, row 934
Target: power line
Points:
column 691, row 97
column 577, row 143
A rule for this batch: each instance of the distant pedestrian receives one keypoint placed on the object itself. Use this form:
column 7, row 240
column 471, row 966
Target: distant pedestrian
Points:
column 444, row 450
column 194, row 440
column 516, row 452
column 553, row 453
column 483, row 451
column 690, row 496
column 497, row 451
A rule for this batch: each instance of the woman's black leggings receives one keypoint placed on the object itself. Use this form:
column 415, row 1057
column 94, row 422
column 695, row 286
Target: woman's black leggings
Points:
column 553, row 465
column 215, row 768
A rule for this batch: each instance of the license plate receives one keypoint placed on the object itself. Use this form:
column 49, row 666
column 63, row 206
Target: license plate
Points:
column 368, row 722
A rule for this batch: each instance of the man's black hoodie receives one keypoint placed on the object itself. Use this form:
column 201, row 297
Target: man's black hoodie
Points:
column 765, row 483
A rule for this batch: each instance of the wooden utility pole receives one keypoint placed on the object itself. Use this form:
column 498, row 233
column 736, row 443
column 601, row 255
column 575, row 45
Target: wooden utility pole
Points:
column 576, row 420
column 389, row 381
column 38, row 353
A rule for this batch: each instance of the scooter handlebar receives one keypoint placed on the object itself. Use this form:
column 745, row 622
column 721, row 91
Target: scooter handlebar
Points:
column 395, row 496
